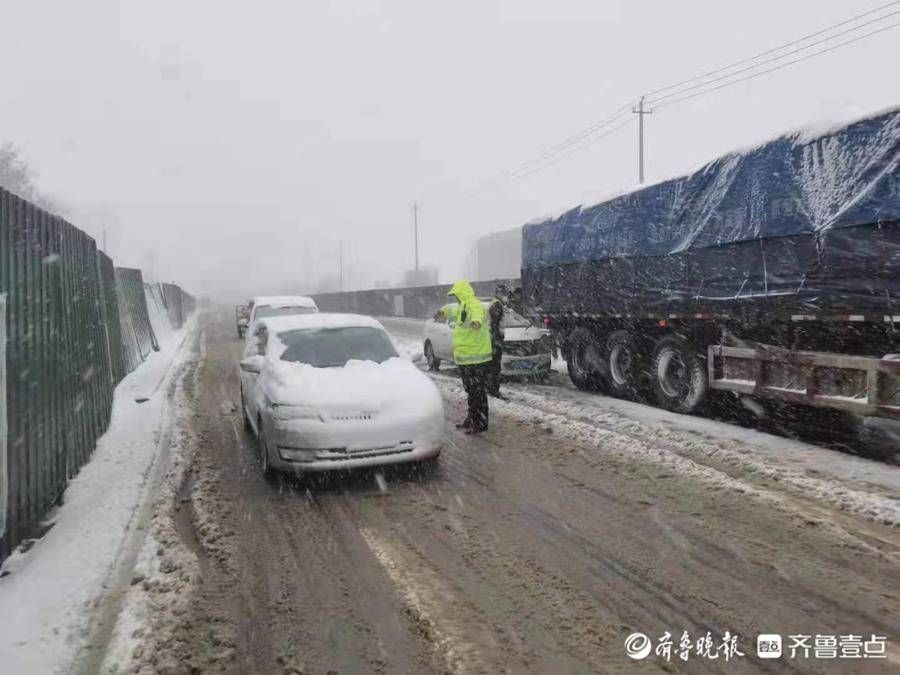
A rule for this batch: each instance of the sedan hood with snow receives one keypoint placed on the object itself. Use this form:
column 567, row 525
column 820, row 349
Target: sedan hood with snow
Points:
column 359, row 386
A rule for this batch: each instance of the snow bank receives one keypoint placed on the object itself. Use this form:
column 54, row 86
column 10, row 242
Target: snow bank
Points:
column 51, row 588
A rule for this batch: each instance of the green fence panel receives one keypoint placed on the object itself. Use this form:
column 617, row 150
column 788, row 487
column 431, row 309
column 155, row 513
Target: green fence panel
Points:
column 74, row 327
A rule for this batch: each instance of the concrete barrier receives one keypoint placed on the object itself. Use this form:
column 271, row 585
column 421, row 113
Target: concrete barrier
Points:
column 418, row 302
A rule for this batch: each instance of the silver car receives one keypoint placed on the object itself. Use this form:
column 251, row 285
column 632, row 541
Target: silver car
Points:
column 329, row 391
column 526, row 348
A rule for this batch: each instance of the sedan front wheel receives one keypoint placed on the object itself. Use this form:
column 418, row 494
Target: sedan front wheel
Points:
column 265, row 462
column 434, row 363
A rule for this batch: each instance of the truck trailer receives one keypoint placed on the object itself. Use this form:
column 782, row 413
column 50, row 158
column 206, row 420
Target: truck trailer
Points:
column 773, row 273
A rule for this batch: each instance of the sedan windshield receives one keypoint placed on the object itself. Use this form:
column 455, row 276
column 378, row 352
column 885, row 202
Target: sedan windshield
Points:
column 333, row 347
column 265, row 311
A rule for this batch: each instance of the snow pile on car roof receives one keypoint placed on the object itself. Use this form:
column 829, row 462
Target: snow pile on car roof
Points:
column 358, row 386
column 284, row 301
column 281, row 324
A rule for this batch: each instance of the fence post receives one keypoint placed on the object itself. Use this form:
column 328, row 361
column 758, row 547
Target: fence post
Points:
column 4, row 492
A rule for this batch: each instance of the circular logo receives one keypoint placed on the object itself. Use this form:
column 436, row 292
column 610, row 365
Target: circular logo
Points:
column 637, row 646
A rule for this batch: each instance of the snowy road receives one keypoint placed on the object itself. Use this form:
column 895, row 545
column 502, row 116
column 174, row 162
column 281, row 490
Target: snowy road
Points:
column 538, row 547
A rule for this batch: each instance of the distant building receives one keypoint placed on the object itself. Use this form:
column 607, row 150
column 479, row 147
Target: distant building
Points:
column 498, row 255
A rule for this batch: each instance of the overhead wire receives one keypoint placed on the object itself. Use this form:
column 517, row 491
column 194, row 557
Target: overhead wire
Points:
column 655, row 101
column 575, row 149
column 778, row 67
column 773, row 49
column 586, row 136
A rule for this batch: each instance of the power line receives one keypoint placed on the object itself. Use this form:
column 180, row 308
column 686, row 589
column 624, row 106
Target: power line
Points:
column 773, row 49
column 584, row 133
column 773, row 59
column 778, row 67
column 526, row 168
column 575, row 149
column 584, row 138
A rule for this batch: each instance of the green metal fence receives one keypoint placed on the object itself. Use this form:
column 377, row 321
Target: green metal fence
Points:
column 65, row 353
column 138, row 339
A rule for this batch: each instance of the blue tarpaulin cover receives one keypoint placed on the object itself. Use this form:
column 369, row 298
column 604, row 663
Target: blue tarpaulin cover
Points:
column 813, row 217
column 785, row 187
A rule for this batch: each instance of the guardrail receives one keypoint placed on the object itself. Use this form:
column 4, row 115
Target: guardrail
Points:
column 857, row 384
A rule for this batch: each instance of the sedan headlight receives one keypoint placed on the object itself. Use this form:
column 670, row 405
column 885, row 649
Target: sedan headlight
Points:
column 294, row 412
column 545, row 344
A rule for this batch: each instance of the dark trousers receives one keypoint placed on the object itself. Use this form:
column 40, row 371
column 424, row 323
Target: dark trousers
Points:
column 494, row 374
column 474, row 380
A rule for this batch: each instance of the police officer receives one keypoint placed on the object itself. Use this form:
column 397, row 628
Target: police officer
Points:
column 472, row 353
column 498, row 304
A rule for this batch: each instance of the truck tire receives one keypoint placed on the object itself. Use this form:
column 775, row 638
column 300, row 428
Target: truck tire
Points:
column 625, row 358
column 434, row 363
column 680, row 379
column 586, row 362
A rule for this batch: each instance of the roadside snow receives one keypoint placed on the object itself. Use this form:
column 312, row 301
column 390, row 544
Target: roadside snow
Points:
column 828, row 475
column 628, row 442
column 51, row 589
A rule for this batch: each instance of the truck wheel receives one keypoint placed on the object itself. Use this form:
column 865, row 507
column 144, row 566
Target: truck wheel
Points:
column 624, row 364
column 434, row 363
column 680, row 380
column 586, row 362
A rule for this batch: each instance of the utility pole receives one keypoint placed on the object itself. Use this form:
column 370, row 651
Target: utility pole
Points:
column 308, row 266
column 415, row 210
column 341, row 262
column 640, row 112
column 104, row 240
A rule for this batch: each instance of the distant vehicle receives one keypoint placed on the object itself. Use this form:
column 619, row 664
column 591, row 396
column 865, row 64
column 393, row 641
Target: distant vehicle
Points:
column 242, row 319
column 266, row 306
column 526, row 348
column 329, row 391
column 771, row 274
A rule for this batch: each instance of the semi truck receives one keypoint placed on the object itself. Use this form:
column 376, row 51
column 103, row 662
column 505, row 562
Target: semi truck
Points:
column 772, row 273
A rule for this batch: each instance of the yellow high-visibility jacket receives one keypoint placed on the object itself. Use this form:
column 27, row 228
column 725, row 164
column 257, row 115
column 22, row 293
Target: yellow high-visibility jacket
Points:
column 471, row 345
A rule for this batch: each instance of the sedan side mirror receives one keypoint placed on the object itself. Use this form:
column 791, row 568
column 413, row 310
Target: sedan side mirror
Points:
column 252, row 364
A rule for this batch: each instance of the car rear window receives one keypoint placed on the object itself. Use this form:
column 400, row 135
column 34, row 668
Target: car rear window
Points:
column 333, row 347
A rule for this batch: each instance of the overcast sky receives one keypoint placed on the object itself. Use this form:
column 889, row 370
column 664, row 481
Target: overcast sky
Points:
column 233, row 144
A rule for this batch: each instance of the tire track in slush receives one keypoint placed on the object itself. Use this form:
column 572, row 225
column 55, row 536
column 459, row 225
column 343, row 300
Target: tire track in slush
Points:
column 461, row 637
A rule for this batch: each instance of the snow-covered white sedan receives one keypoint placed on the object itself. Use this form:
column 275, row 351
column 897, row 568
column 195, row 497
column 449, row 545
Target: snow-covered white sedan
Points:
column 329, row 391
column 265, row 306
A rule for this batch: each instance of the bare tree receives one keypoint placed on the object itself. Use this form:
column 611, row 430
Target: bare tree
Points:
column 16, row 176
